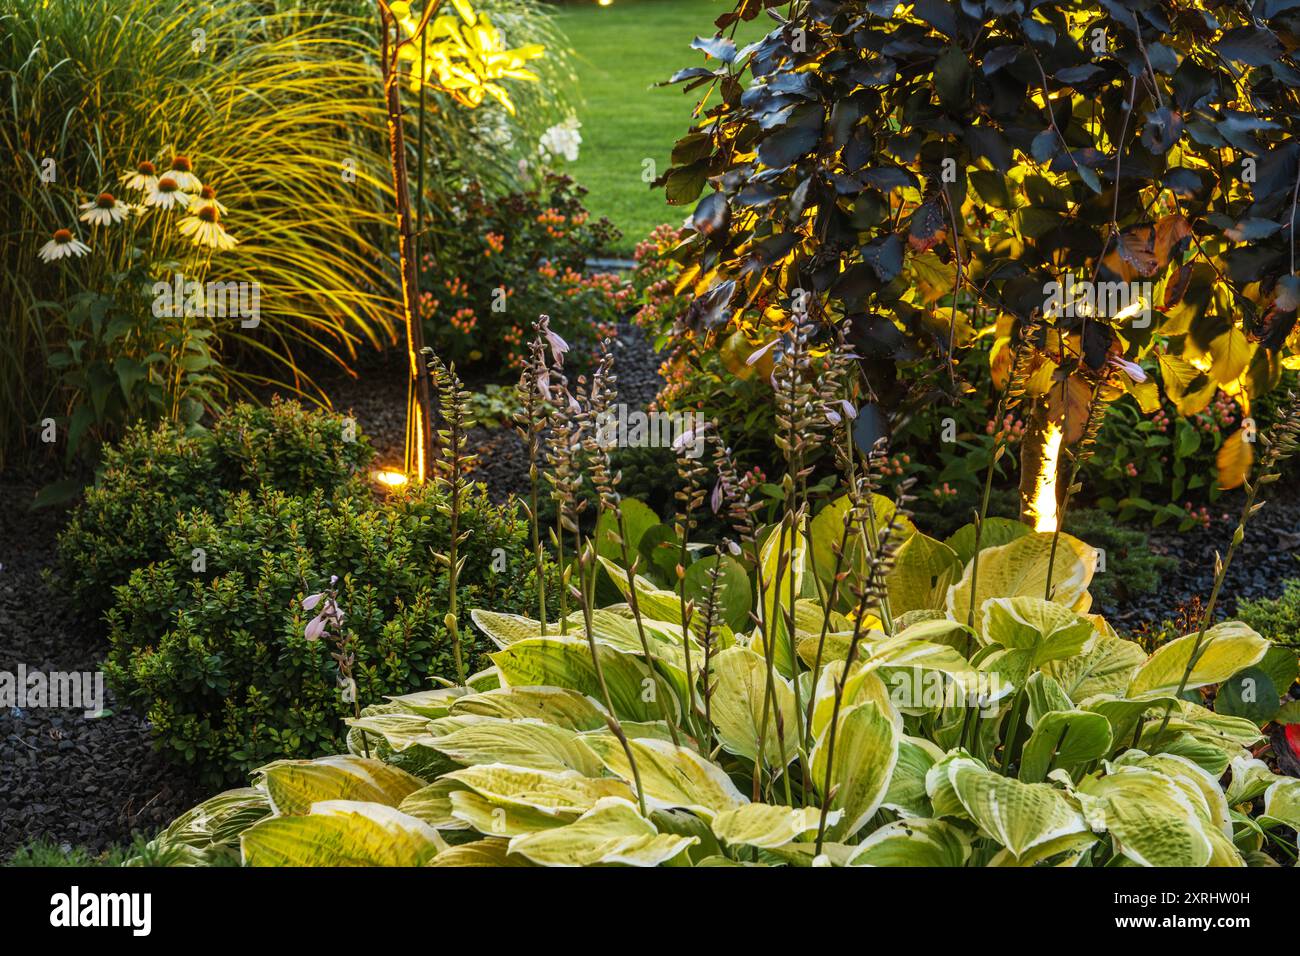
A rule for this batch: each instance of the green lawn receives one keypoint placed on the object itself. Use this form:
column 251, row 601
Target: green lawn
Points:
column 620, row 51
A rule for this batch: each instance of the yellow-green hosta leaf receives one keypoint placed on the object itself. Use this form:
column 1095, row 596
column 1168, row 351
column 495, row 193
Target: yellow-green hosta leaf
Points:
column 1226, row 648
column 218, row 820
column 737, row 707
column 1250, row 779
column 294, row 785
column 671, row 776
column 492, row 851
column 906, row 795
column 401, row 730
column 611, row 832
column 1069, row 849
column 997, row 531
column 1019, row 816
column 783, row 557
column 519, row 743
column 548, row 791
column 430, row 703
column 432, row 804
column 1019, row 569
column 342, row 833
column 1042, row 630
column 657, row 604
column 553, row 705
column 1105, row 668
column 1282, row 804
column 827, row 531
column 567, row 662
column 1201, row 786
column 914, row 842
column 906, row 665
column 863, row 684
column 504, row 629
column 865, row 752
column 1123, row 714
column 1064, row 739
column 766, row 826
column 492, row 819
column 923, row 571
column 1151, row 820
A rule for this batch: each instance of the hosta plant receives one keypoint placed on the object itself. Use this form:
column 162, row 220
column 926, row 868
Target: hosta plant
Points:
column 1034, row 736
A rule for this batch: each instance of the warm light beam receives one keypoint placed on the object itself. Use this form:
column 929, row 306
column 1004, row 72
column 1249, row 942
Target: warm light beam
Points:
column 1042, row 506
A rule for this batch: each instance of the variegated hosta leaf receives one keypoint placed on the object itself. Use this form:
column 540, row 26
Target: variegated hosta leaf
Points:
column 657, row 604
column 863, row 684
column 784, row 556
column 737, row 707
column 611, row 832
column 498, row 820
column 923, row 571
column 1105, row 668
column 671, row 776
column 293, row 786
column 432, row 804
column 1020, row 569
column 996, row 532
column 1282, row 805
column 1200, row 785
column 1225, row 649
column 766, row 826
column 548, row 791
column 1124, row 714
column 827, row 531
column 1220, row 733
column 1250, row 779
column 217, row 821
column 906, row 795
column 1033, row 632
column 489, row 852
column 567, row 662
column 342, row 833
column 1044, row 695
column 1068, row 850
column 553, row 705
column 1151, row 820
column 1019, row 816
column 519, row 743
column 504, row 629
column 865, row 752
column 908, row 667
column 429, row 703
column 915, row 842
column 401, row 731
column 1064, row 739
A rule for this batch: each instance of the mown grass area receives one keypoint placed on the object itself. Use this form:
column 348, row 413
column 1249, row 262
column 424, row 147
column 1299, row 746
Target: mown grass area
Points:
column 621, row 51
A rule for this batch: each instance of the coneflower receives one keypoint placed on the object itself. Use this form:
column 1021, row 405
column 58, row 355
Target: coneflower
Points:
column 64, row 245
column 203, row 225
column 183, row 172
column 144, row 178
column 209, row 195
column 167, row 194
column 104, row 210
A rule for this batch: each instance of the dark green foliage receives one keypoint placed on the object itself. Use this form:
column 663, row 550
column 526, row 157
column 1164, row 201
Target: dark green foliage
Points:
column 217, row 658
column 1277, row 619
column 155, row 474
column 1132, row 568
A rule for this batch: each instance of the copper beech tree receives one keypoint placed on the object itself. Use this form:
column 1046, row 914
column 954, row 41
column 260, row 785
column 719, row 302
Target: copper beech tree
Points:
column 1107, row 186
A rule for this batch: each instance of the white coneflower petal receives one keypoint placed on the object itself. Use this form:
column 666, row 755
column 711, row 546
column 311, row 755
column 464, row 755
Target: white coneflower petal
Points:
column 209, row 195
column 104, row 210
column 183, row 172
column 64, row 245
column 203, row 225
column 167, row 195
column 144, row 179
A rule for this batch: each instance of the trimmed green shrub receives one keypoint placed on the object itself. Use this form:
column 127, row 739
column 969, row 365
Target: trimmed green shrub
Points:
column 1132, row 568
column 156, row 474
column 1277, row 619
column 214, row 652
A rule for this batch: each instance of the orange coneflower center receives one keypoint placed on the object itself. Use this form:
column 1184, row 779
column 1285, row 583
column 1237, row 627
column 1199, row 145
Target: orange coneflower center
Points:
column 207, row 192
column 62, row 235
column 146, row 169
column 181, row 163
column 167, row 185
column 207, row 213
column 105, row 201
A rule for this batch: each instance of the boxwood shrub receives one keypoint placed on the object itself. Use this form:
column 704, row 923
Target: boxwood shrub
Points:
column 155, row 474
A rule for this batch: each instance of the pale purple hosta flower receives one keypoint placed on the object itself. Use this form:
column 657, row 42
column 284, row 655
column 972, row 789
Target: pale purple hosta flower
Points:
column 315, row 629
column 687, row 437
column 715, row 499
column 845, row 410
column 759, row 353
column 558, row 346
column 1131, row 369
